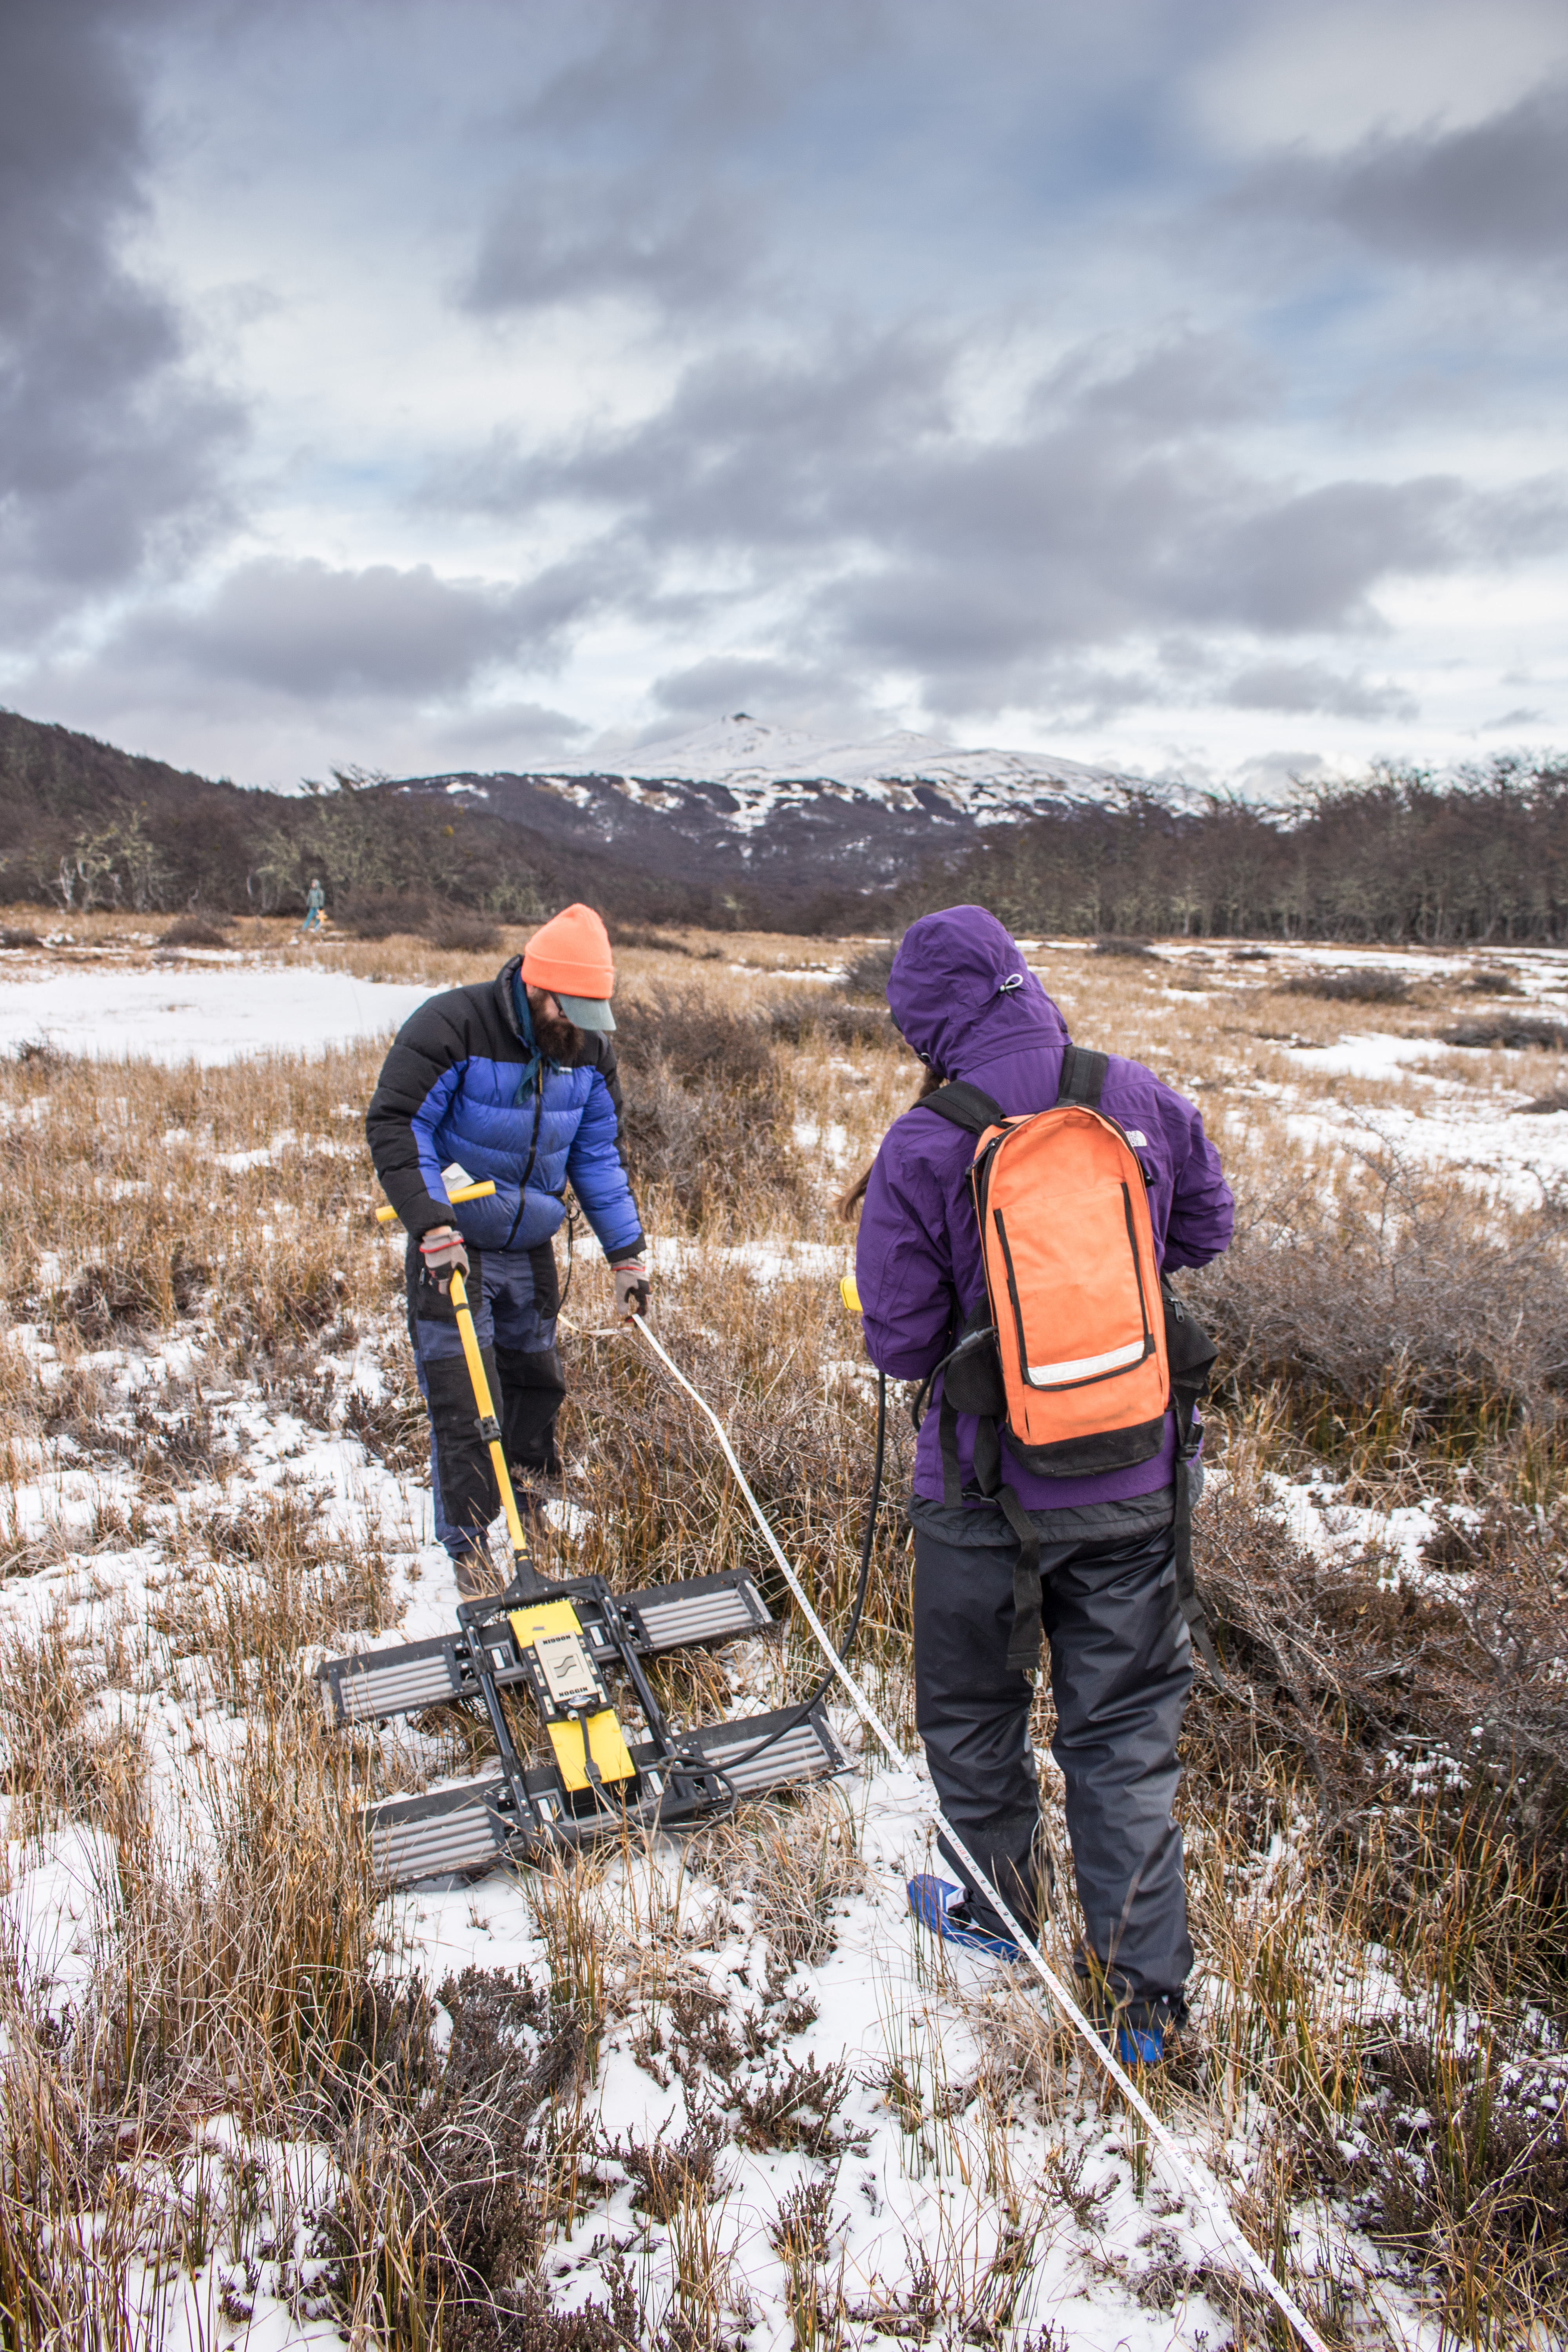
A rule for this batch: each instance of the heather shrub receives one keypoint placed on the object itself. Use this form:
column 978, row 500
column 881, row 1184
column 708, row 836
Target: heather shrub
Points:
column 1349, row 987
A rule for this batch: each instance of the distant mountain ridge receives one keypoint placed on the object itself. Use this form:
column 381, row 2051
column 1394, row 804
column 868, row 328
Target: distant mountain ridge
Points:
column 778, row 811
column 735, row 822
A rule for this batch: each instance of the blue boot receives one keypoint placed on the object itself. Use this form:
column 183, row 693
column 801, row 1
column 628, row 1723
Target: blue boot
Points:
column 942, row 1908
column 1141, row 2045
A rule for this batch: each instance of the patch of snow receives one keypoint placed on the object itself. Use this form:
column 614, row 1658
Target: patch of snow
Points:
column 206, row 1015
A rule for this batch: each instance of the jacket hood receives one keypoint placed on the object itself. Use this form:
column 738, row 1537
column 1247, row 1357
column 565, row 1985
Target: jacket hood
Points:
column 963, row 995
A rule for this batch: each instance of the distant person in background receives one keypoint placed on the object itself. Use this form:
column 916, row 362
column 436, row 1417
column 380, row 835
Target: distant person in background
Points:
column 514, row 1079
column 315, row 903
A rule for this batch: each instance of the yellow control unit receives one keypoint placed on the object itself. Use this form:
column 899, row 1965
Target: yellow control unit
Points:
column 571, row 1694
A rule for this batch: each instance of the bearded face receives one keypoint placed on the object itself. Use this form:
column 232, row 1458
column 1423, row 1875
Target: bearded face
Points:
column 556, row 1037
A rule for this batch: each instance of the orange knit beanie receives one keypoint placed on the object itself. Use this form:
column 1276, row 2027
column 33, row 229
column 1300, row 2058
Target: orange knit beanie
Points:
column 571, row 956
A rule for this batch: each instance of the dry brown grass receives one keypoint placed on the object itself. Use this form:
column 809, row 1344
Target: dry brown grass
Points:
column 1337, row 1803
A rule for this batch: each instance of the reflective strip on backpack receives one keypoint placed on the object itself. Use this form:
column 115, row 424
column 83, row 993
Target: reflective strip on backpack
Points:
column 1083, row 1368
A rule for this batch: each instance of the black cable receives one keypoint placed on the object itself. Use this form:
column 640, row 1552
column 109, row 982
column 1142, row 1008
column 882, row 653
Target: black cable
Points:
column 798, row 1714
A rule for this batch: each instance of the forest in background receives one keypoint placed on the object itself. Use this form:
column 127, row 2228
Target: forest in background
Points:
column 1397, row 855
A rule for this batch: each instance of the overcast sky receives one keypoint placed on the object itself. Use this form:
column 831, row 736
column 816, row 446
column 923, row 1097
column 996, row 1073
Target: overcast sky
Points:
column 1177, row 384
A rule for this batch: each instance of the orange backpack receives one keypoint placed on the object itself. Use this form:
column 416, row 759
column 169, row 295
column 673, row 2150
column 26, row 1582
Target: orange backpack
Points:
column 1077, row 1350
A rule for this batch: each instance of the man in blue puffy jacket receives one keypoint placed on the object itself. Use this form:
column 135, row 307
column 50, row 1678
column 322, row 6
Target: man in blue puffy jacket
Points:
column 513, row 1080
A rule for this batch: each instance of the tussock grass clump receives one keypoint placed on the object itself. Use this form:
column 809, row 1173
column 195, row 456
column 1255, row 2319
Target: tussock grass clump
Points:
column 61, row 1757
column 1372, row 987
column 1398, row 1312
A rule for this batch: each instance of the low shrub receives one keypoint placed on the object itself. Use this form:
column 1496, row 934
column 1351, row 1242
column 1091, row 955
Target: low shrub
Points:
column 870, row 970
column 1349, row 987
column 808, row 1013
column 702, row 1101
column 1114, row 944
column 1430, row 1713
column 1491, row 983
column 10, row 938
column 195, row 931
column 459, row 930
column 377, row 914
column 639, row 935
column 1510, row 1030
column 1399, row 1312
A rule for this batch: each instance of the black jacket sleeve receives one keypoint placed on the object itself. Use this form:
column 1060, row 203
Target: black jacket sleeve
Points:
column 418, row 1080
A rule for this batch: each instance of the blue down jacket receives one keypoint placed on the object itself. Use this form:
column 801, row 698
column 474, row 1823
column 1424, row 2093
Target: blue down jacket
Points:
column 452, row 1088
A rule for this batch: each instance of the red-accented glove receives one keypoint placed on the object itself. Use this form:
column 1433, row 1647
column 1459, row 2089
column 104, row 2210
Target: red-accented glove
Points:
column 442, row 1252
column 631, row 1289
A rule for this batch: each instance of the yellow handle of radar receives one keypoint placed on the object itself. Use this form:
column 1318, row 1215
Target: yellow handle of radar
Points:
column 463, row 1192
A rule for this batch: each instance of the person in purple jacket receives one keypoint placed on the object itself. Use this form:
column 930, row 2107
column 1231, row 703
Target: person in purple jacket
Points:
column 964, row 998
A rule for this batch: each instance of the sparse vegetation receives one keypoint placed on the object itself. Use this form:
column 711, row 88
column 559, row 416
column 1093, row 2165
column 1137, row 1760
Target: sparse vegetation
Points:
column 249, row 2080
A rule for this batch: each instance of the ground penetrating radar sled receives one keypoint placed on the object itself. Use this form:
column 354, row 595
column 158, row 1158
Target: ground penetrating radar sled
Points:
column 562, row 1646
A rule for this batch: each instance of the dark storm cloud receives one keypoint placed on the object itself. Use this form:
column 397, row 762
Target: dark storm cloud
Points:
column 108, row 443
column 644, row 167
column 302, row 627
column 1106, row 512
column 1497, row 191
column 1312, row 685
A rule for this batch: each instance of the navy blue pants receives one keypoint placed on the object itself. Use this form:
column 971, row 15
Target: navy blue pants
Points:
column 1120, row 1662
column 515, row 1296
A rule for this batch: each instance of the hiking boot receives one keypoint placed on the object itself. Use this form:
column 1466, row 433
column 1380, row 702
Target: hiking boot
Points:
column 477, row 1578
column 942, row 1909
column 1141, row 2045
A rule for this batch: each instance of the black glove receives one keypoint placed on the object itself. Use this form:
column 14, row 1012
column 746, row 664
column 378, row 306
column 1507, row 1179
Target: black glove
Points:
column 631, row 1289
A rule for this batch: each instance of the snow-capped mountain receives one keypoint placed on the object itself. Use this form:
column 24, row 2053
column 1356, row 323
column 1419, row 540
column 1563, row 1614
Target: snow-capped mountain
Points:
column 778, row 812
column 759, row 763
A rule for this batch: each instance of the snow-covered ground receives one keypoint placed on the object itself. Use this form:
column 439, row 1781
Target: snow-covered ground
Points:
column 200, row 1011
column 1110, row 2259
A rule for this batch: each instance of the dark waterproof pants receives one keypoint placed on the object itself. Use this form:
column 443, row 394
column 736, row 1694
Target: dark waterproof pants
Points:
column 514, row 1296
column 1121, row 1664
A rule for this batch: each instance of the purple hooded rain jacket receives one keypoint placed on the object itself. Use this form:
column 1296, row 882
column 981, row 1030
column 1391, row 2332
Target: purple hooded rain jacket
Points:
column 918, row 1260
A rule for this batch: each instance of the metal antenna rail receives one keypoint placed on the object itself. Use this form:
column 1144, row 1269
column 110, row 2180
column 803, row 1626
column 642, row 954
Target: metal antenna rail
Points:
column 1190, row 2171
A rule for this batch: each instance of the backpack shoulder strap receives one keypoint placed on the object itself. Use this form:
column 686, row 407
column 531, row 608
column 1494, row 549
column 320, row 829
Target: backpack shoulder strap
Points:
column 966, row 1106
column 1083, row 1077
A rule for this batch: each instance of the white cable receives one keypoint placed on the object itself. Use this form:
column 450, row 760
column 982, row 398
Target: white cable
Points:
column 1192, row 2173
